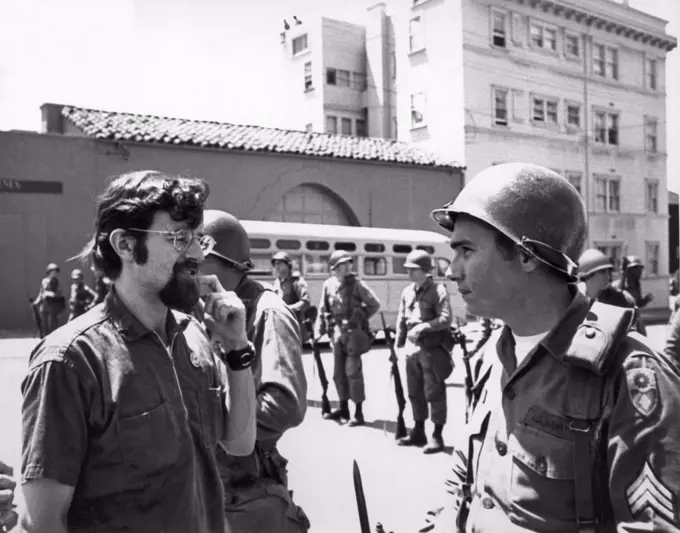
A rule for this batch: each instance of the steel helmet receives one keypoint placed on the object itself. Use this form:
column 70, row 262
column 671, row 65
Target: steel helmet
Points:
column 77, row 274
column 338, row 257
column 634, row 261
column 419, row 259
column 283, row 257
column 231, row 240
column 535, row 207
column 592, row 261
column 51, row 267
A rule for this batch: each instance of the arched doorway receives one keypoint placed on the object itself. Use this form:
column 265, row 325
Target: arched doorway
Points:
column 312, row 204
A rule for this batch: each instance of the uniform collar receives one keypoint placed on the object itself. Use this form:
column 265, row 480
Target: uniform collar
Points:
column 129, row 325
column 426, row 284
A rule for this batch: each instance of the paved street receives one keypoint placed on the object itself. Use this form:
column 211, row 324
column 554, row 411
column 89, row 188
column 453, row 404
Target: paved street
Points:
column 400, row 484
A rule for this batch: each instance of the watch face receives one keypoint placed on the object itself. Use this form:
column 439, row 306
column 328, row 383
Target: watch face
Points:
column 247, row 357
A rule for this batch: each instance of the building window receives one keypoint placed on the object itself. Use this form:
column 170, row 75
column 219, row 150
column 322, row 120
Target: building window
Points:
column 650, row 73
column 607, row 195
column 652, row 196
column 606, row 128
column 300, row 44
column 331, row 76
column 346, row 125
column 416, row 37
column 574, row 115
column 544, row 110
column 500, row 106
column 575, row 179
column 606, row 61
column 359, row 81
column 498, row 30
column 343, row 78
column 418, row 110
column 653, row 258
column 572, row 45
column 331, row 124
column 360, row 128
column 651, row 132
column 613, row 251
column 308, row 76
column 543, row 36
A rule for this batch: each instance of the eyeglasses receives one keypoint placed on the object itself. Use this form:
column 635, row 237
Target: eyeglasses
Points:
column 183, row 238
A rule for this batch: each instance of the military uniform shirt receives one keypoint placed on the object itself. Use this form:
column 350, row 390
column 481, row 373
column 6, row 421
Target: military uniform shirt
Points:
column 294, row 292
column 523, row 456
column 427, row 304
column 347, row 299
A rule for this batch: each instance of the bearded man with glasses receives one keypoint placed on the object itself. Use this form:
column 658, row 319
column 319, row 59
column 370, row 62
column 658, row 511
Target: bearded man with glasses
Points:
column 125, row 407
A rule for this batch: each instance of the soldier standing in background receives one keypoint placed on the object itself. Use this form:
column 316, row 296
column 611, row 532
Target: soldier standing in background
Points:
column 595, row 274
column 344, row 310
column 102, row 285
column 50, row 301
column 424, row 337
column 291, row 287
column 82, row 297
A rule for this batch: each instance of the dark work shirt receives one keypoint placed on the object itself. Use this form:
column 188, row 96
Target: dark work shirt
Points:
column 131, row 425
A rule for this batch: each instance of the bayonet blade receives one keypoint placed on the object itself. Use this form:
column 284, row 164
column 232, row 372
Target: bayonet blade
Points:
column 361, row 500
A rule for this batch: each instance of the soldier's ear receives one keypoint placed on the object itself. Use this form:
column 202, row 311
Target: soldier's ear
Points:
column 123, row 244
column 527, row 262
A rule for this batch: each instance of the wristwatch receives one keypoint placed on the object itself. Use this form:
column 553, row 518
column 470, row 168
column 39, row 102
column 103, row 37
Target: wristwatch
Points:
column 237, row 359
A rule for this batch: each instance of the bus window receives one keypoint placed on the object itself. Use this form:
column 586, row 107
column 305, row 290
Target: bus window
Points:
column 261, row 263
column 375, row 266
column 288, row 244
column 374, row 247
column 401, row 248
column 316, row 264
column 260, row 243
column 398, row 265
column 319, row 246
column 347, row 246
column 441, row 265
column 427, row 248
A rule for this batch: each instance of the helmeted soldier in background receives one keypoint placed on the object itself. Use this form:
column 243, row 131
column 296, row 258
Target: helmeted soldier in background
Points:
column 424, row 337
column 595, row 274
column 346, row 305
column 102, row 284
column 82, row 297
column 291, row 287
column 50, row 300
column 256, row 486
column 631, row 275
column 574, row 422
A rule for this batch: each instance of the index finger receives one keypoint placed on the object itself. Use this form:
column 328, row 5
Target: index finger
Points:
column 6, row 469
column 209, row 284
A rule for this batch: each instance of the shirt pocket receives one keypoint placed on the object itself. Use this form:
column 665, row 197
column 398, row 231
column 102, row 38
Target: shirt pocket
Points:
column 542, row 479
column 150, row 443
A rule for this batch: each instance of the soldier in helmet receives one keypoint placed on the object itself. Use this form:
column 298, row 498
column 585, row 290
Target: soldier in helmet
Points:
column 630, row 281
column 346, row 305
column 50, row 301
column 102, row 284
column 574, row 422
column 424, row 337
column 82, row 297
column 595, row 273
column 256, row 486
column 291, row 287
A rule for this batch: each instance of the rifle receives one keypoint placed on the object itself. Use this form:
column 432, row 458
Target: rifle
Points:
column 398, row 387
column 310, row 318
column 36, row 317
column 460, row 339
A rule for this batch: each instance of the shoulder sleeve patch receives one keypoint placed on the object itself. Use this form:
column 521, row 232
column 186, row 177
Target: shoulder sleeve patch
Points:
column 643, row 390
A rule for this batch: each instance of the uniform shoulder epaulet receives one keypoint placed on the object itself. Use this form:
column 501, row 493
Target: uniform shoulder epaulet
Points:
column 595, row 343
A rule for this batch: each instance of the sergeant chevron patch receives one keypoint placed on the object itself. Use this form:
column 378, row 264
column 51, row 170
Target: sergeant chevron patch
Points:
column 648, row 492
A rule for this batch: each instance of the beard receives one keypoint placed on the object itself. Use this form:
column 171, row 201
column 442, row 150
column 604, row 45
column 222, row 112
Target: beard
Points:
column 182, row 291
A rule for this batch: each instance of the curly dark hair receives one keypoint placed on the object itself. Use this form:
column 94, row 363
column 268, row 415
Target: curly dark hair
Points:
column 131, row 201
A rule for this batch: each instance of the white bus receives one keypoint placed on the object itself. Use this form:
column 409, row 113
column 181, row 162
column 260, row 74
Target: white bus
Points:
column 379, row 255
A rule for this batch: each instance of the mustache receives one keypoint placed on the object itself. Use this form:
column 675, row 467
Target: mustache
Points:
column 187, row 264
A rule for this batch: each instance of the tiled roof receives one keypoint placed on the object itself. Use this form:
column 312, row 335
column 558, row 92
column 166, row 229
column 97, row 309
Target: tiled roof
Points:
column 165, row 130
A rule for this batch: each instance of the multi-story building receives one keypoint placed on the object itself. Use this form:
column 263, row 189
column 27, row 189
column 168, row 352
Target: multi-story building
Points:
column 574, row 85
